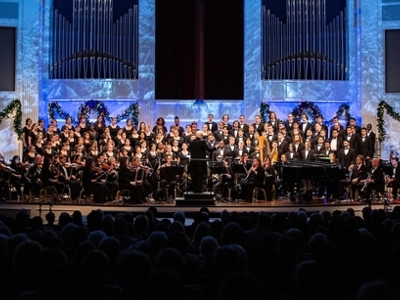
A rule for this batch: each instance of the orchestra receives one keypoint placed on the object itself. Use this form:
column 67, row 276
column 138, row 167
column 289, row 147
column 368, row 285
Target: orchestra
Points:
column 98, row 159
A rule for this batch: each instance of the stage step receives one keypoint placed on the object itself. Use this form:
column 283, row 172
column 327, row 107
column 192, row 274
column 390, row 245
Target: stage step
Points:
column 204, row 195
column 196, row 199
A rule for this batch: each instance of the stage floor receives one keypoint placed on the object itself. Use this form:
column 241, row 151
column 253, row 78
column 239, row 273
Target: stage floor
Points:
column 36, row 208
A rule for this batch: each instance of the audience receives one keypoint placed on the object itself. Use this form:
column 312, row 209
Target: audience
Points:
column 286, row 256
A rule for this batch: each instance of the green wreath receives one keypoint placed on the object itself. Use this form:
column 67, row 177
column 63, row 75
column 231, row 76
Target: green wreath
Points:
column 86, row 107
column 13, row 106
column 309, row 108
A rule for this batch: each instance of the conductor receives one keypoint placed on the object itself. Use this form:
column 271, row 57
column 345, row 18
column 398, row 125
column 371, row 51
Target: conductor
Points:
column 198, row 165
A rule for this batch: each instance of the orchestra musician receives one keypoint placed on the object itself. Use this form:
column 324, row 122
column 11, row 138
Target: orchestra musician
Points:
column 255, row 178
column 394, row 179
column 128, row 179
column 225, row 181
column 270, row 176
column 91, row 181
column 168, row 179
column 67, row 178
column 357, row 172
column 49, row 176
column 375, row 179
column 33, row 182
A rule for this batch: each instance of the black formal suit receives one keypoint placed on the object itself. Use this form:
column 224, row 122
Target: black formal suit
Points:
column 353, row 140
column 198, row 150
column 298, row 148
column 271, row 138
column 288, row 126
column 304, row 127
column 239, row 152
column 213, row 126
column 311, row 140
column 319, row 149
column 377, row 182
column 365, row 146
column 324, row 127
column 250, row 149
column 301, row 133
column 341, row 129
column 234, row 132
column 283, row 147
column 339, row 144
column 218, row 152
column 395, row 176
column 275, row 125
column 292, row 155
column 308, row 156
column 239, row 138
column 372, row 137
column 358, row 173
column 245, row 127
column 225, row 139
column 230, row 150
column 251, row 136
column 258, row 127
column 218, row 135
column 346, row 159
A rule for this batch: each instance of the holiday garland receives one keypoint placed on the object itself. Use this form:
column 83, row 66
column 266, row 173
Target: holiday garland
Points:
column 55, row 107
column 13, row 107
column 310, row 109
column 381, row 121
column 98, row 106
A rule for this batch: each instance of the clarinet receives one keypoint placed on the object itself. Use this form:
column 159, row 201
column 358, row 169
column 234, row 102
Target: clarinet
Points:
column 363, row 189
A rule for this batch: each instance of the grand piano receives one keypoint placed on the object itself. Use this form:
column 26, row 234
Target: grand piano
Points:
column 321, row 172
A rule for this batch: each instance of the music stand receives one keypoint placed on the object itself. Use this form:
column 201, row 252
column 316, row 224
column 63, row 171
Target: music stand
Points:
column 191, row 166
column 238, row 169
column 171, row 172
column 216, row 168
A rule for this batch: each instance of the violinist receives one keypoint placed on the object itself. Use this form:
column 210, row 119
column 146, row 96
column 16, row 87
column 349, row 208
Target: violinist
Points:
column 15, row 175
column 33, row 182
column 255, row 178
column 270, row 176
column 129, row 178
column 67, row 178
column 225, row 179
column 92, row 183
column 3, row 181
column 168, row 180
column 111, row 177
column 49, row 176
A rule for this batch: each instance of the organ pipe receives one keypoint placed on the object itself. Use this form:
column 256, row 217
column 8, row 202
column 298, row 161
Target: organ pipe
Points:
column 92, row 44
column 305, row 45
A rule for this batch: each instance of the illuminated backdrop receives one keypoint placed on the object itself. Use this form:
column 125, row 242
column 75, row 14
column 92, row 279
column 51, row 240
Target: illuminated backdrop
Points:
column 363, row 90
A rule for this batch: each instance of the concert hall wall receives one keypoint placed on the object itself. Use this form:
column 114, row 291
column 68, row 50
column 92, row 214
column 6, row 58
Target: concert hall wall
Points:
column 365, row 88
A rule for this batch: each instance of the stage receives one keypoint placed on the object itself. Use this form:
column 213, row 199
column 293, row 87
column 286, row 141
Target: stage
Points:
column 166, row 209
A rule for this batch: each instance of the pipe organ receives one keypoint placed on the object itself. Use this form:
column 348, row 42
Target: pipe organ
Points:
column 305, row 46
column 92, row 45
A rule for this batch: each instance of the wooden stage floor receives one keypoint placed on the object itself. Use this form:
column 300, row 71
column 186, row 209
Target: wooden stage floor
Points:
column 36, row 208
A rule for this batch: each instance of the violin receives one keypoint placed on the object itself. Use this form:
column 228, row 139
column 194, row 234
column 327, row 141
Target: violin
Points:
column 96, row 169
